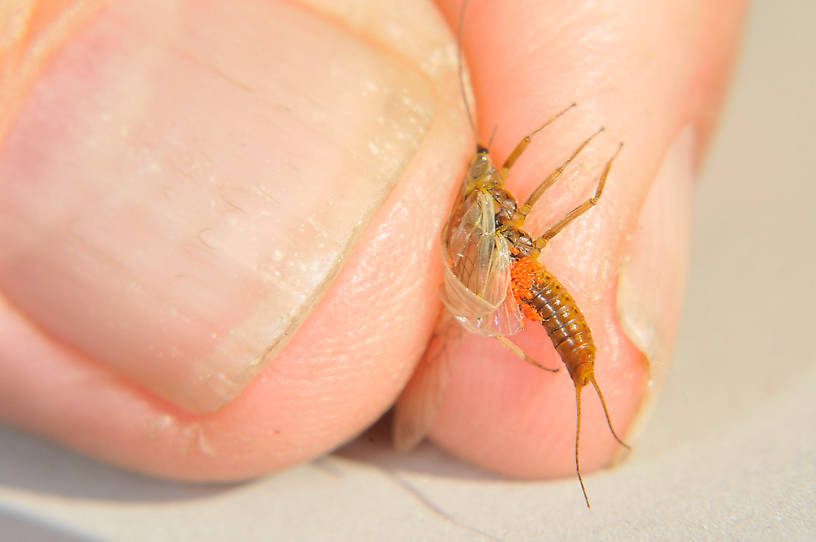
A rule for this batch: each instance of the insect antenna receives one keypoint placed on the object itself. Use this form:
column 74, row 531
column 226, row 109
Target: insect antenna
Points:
column 462, row 71
column 492, row 135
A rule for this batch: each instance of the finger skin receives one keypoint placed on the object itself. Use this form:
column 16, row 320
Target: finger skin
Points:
column 348, row 360
column 646, row 73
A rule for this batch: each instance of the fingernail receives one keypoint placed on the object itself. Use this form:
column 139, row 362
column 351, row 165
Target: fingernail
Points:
column 653, row 274
column 180, row 188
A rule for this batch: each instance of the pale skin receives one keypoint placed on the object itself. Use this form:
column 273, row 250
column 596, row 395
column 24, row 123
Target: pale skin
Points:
column 645, row 73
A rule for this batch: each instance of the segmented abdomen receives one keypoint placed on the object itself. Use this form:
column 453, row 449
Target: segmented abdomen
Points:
column 563, row 320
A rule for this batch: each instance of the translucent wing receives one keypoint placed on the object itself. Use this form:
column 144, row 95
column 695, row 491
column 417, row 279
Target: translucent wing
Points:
column 421, row 399
column 471, row 252
column 476, row 288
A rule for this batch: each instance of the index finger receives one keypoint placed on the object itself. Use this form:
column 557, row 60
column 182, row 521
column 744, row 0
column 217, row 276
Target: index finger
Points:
column 654, row 77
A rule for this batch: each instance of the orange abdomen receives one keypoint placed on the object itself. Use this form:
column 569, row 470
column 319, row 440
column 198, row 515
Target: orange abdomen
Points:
column 557, row 311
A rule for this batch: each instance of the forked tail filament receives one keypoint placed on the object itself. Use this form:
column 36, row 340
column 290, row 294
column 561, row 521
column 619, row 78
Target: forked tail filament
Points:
column 578, row 390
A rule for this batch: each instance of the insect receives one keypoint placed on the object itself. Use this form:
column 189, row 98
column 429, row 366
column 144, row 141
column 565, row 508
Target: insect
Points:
column 494, row 284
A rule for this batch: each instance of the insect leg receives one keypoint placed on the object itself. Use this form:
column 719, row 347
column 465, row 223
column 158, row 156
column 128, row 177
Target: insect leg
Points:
column 581, row 209
column 524, row 210
column 516, row 349
column 522, row 145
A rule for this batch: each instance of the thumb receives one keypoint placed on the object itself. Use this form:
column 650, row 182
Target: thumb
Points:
column 217, row 223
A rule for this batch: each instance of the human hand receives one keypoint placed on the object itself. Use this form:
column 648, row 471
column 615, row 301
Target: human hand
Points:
column 182, row 187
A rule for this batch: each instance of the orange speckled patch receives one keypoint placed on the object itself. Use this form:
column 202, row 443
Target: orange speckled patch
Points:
column 522, row 276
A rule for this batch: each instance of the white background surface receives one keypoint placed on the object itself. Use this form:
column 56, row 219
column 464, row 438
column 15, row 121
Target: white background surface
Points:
column 730, row 453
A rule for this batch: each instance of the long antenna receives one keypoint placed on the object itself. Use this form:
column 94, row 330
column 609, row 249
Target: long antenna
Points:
column 462, row 70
